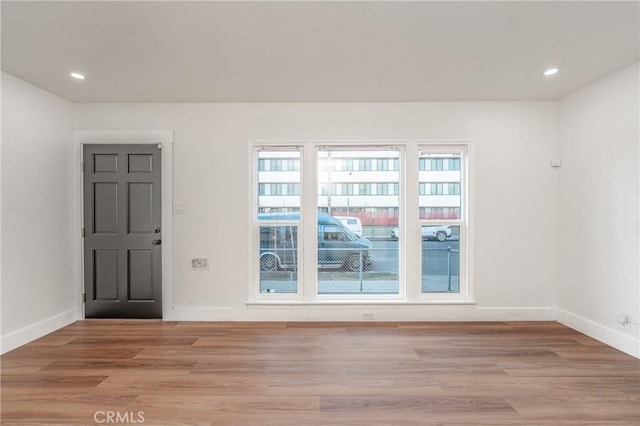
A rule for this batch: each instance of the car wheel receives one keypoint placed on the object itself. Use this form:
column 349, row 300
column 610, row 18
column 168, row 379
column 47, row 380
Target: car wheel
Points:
column 441, row 235
column 354, row 263
column 269, row 262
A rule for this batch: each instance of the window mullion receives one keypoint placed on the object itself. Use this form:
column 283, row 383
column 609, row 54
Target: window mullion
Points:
column 309, row 176
column 409, row 228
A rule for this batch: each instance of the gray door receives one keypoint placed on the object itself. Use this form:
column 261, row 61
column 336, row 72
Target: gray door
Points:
column 122, row 231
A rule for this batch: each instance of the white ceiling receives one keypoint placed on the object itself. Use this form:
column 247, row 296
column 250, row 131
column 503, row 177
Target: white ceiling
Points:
column 316, row 51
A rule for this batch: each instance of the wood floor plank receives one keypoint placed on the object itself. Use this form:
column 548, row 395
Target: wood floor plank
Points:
column 578, row 407
column 118, row 366
column 61, row 408
column 74, row 352
column 233, row 409
column 567, row 368
column 591, row 353
column 208, row 354
column 351, row 385
column 126, row 384
column 413, row 408
column 321, row 374
column 137, row 341
column 272, row 368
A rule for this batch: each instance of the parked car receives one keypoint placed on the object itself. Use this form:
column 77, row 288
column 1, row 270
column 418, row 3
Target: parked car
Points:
column 338, row 246
column 352, row 223
column 431, row 232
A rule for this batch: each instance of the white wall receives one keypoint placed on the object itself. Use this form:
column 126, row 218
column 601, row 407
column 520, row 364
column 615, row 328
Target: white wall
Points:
column 598, row 188
column 514, row 190
column 520, row 202
column 37, row 213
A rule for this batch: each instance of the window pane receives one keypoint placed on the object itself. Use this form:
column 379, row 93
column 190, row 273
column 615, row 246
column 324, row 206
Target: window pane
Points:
column 356, row 254
column 440, row 259
column 278, row 181
column 440, row 186
column 279, row 259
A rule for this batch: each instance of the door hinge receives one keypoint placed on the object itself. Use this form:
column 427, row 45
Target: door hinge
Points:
column 82, row 166
column 84, row 297
column 82, row 233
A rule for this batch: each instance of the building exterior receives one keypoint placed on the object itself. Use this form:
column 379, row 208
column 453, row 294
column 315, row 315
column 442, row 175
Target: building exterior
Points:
column 363, row 183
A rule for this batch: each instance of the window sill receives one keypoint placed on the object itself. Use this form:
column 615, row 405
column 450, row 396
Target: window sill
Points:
column 281, row 302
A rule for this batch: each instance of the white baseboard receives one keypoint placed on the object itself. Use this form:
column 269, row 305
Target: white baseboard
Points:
column 337, row 312
column 621, row 341
column 34, row 331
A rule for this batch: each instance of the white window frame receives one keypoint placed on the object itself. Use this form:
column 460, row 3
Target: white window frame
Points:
column 409, row 269
column 313, row 205
column 255, row 224
column 465, row 287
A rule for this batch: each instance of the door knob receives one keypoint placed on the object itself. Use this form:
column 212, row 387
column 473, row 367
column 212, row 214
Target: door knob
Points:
column 156, row 242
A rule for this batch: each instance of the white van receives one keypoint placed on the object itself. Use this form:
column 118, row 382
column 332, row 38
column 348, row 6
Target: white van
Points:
column 353, row 223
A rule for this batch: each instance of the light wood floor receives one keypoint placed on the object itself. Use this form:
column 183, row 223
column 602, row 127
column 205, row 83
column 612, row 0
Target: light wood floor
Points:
column 408, row 374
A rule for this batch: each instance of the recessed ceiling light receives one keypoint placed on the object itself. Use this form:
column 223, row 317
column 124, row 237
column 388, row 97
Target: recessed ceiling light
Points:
column 77, row 75
column 551, row 71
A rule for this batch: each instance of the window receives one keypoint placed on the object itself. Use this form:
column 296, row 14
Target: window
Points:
column 328, row 189
column 442, row 226
column 347, row 189
column 364, row 164
column 385, row 164
column 349, row 264
column 364, row 189
column 346, row 164
column 439, row 188
column 385, row 188
column 276, row 164
column 345, row 236
column 452, row 164
column 283, row 189
column 278, row 220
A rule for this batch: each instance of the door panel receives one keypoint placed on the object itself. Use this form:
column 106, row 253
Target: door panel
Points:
column 140, row 207
column 105, row 263
column 140, row 275
column 140, row 163
column 122, row 220
column 105, row 163
column 105, row 211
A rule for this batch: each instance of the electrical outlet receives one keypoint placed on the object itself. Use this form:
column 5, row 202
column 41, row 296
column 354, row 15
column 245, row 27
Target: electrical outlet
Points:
column 178, row 208
column 368, row 316
column 623, row 321
column 199, row 263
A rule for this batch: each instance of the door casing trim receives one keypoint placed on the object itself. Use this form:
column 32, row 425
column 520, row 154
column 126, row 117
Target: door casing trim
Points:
column 164, row 138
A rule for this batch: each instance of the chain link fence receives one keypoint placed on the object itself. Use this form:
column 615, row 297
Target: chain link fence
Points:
column 372, row 271
column 441, row 270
